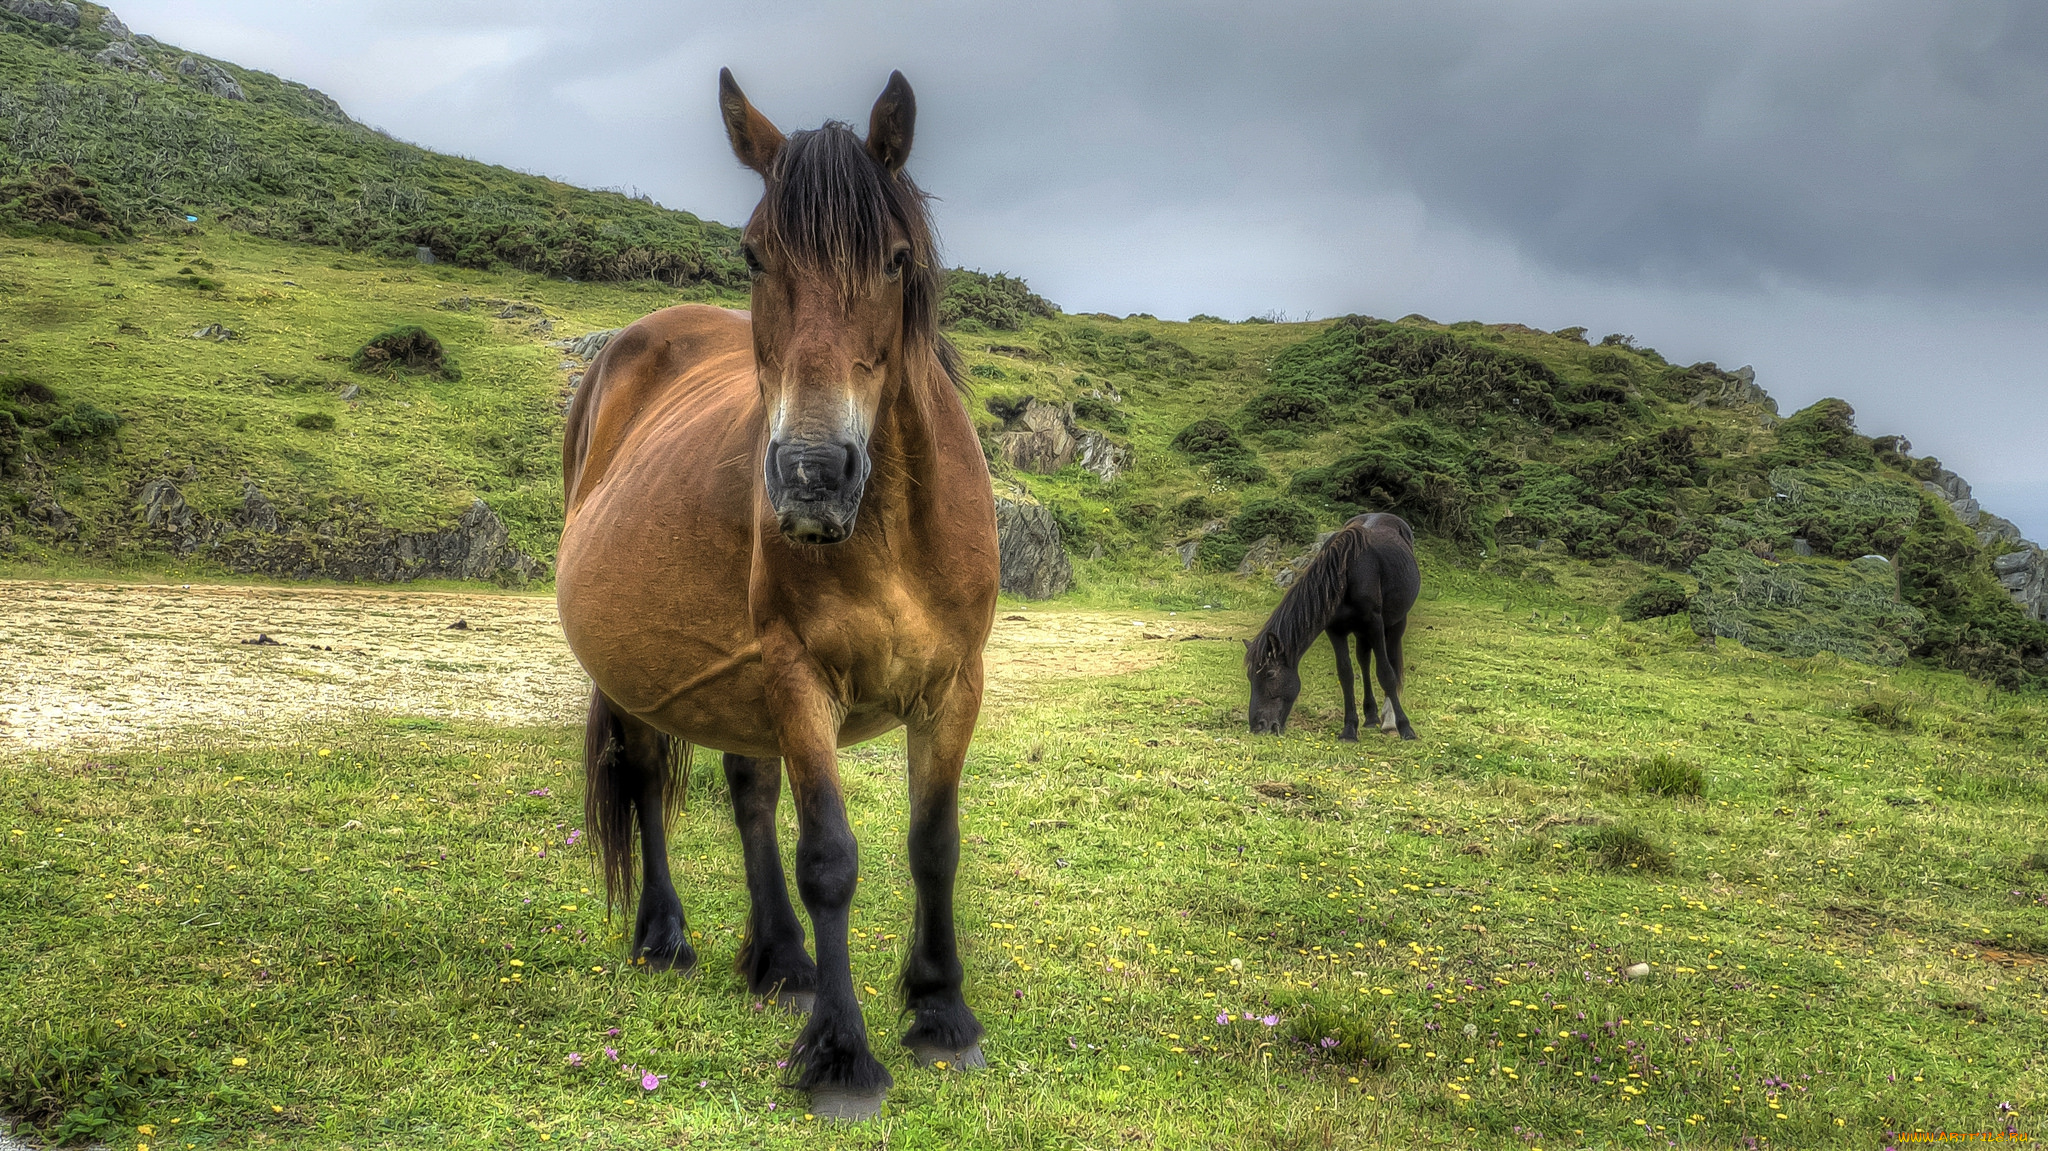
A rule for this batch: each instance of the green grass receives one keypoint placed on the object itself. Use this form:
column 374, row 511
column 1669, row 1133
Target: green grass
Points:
column 381, row 932
column 103, row 326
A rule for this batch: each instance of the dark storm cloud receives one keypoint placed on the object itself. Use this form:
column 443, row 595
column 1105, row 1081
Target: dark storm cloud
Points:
column 1847, row 194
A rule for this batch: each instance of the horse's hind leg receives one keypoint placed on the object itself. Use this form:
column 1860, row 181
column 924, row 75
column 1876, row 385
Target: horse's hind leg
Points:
column 1340, row 642
column 944, row 1032
column 772, row 956
column 1372, row 707
column 627, row 767
column 1391, row 668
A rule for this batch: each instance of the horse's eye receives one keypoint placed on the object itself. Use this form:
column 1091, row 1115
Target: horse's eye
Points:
column 753, row 258
column 898, row 261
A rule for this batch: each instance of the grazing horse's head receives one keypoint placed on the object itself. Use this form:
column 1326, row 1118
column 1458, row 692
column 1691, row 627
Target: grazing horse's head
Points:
column 846, row 285
column 1276, row 684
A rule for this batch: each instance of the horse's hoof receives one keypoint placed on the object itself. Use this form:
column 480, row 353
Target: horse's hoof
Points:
column 964, row 1059
column 1409, row 735
column 796, row 1002
column 1348, row 737
column 847, row 1106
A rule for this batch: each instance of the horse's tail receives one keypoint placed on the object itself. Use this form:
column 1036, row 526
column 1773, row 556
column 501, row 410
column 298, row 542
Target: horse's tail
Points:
column 613, row 785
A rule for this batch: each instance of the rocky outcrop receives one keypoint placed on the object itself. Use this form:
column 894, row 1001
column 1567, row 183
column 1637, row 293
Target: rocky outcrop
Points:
column 2024, row 573
column 124, row 56
column 111, row 25
column 210, row 78
column 587, row 347
column 1034, row 560
column 62, row 13
column 1285, row 577
column 1266, row 554
column 1736, row 389
column 256, row 513
column 2023, row 568
column 1044, row 438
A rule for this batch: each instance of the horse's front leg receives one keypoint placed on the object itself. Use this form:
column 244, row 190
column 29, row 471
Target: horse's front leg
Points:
column 772, row 956
column 1337, row 641
column 944, row 1032
column 832, row 1058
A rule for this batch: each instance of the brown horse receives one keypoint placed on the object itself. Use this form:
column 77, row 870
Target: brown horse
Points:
column 780, row 541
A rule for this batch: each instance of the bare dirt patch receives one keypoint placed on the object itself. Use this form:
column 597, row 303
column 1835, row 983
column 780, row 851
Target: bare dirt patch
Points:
column 108, row 663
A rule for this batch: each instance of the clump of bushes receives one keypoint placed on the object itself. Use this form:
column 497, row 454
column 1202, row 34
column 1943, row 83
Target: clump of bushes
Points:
column 1338, row 1037
column 1886, row 709
column 1212, row 442
column 1286, row 407
column 1662, row 597
column 1285, row 520
column 60, row 200
column 407, row 349
column 1008, row 409
column 1002, row 302
column 1102, row 414
column 1618, row 848
column 1668, row 775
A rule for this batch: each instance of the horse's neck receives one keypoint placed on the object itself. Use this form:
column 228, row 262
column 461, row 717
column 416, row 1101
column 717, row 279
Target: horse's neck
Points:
column 906, row 441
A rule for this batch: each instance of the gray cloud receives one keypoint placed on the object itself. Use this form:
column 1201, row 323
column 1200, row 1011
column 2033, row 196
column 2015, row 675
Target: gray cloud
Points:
column 1845, row 194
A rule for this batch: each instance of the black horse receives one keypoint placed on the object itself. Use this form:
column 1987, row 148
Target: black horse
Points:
column 1361, row 584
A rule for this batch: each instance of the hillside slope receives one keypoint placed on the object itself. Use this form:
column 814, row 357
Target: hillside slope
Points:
column 194, row 394
column 105, row 131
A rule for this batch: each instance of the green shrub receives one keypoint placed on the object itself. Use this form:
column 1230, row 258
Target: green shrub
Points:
column 1340, row 1038
column 81, row 1086
column 1000, row 302
column 1102, row 414
column 1208, row 439
column 1194, row 510
column 407, row 349
column 1239, row 470
column 1008, row 409
column 1886, row 709
column 1618, row 848
column 62, row 201
column 84, row 421
column 1285, row 407
column 1294, row 524
column 987, row 372
column 1661, row 598
column 1667, row 775
column 315, row 422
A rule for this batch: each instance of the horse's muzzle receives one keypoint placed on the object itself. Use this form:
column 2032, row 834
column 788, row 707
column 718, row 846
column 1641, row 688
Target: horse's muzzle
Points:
column 815, row 487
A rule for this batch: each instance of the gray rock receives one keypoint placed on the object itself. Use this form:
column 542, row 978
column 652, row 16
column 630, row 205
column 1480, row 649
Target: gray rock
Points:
column 1044, row 438
column 210, row 78
column 1186, row 551
column 1034, row 560
column 351, row 392
column 1801, row 548
column 424, row 254
column 59, row 12
column 1040, row 439
column 123, row 56
column 111, row 25
column 163, row 507
column 257, row 514
column 52, row 516
column 1105, row 457
column 2011, row 562
column 1264, row 555
column 1286, row 576
column 587, row 347
column 1735, row 389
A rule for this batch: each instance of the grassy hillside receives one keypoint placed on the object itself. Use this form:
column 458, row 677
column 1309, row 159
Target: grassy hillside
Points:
column 225, row 358
column 1524, row 451
column 1521, row 450
column 95, row 147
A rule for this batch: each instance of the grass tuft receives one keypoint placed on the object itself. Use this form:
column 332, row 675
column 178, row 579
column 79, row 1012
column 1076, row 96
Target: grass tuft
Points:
column 1668, row 775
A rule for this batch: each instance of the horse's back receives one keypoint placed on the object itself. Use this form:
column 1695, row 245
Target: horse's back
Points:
column 1394, row 575
column 691, row 355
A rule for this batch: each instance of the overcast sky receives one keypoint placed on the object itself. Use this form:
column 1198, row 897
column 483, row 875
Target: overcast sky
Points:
column 1847, row 195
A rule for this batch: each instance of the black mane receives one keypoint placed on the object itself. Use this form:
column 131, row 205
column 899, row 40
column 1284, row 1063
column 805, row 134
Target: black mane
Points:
column 1309, row 605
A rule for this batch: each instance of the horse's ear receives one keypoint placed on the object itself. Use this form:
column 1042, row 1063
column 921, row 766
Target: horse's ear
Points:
column 891, row 124
column 754, row 140
column 1247, row 646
